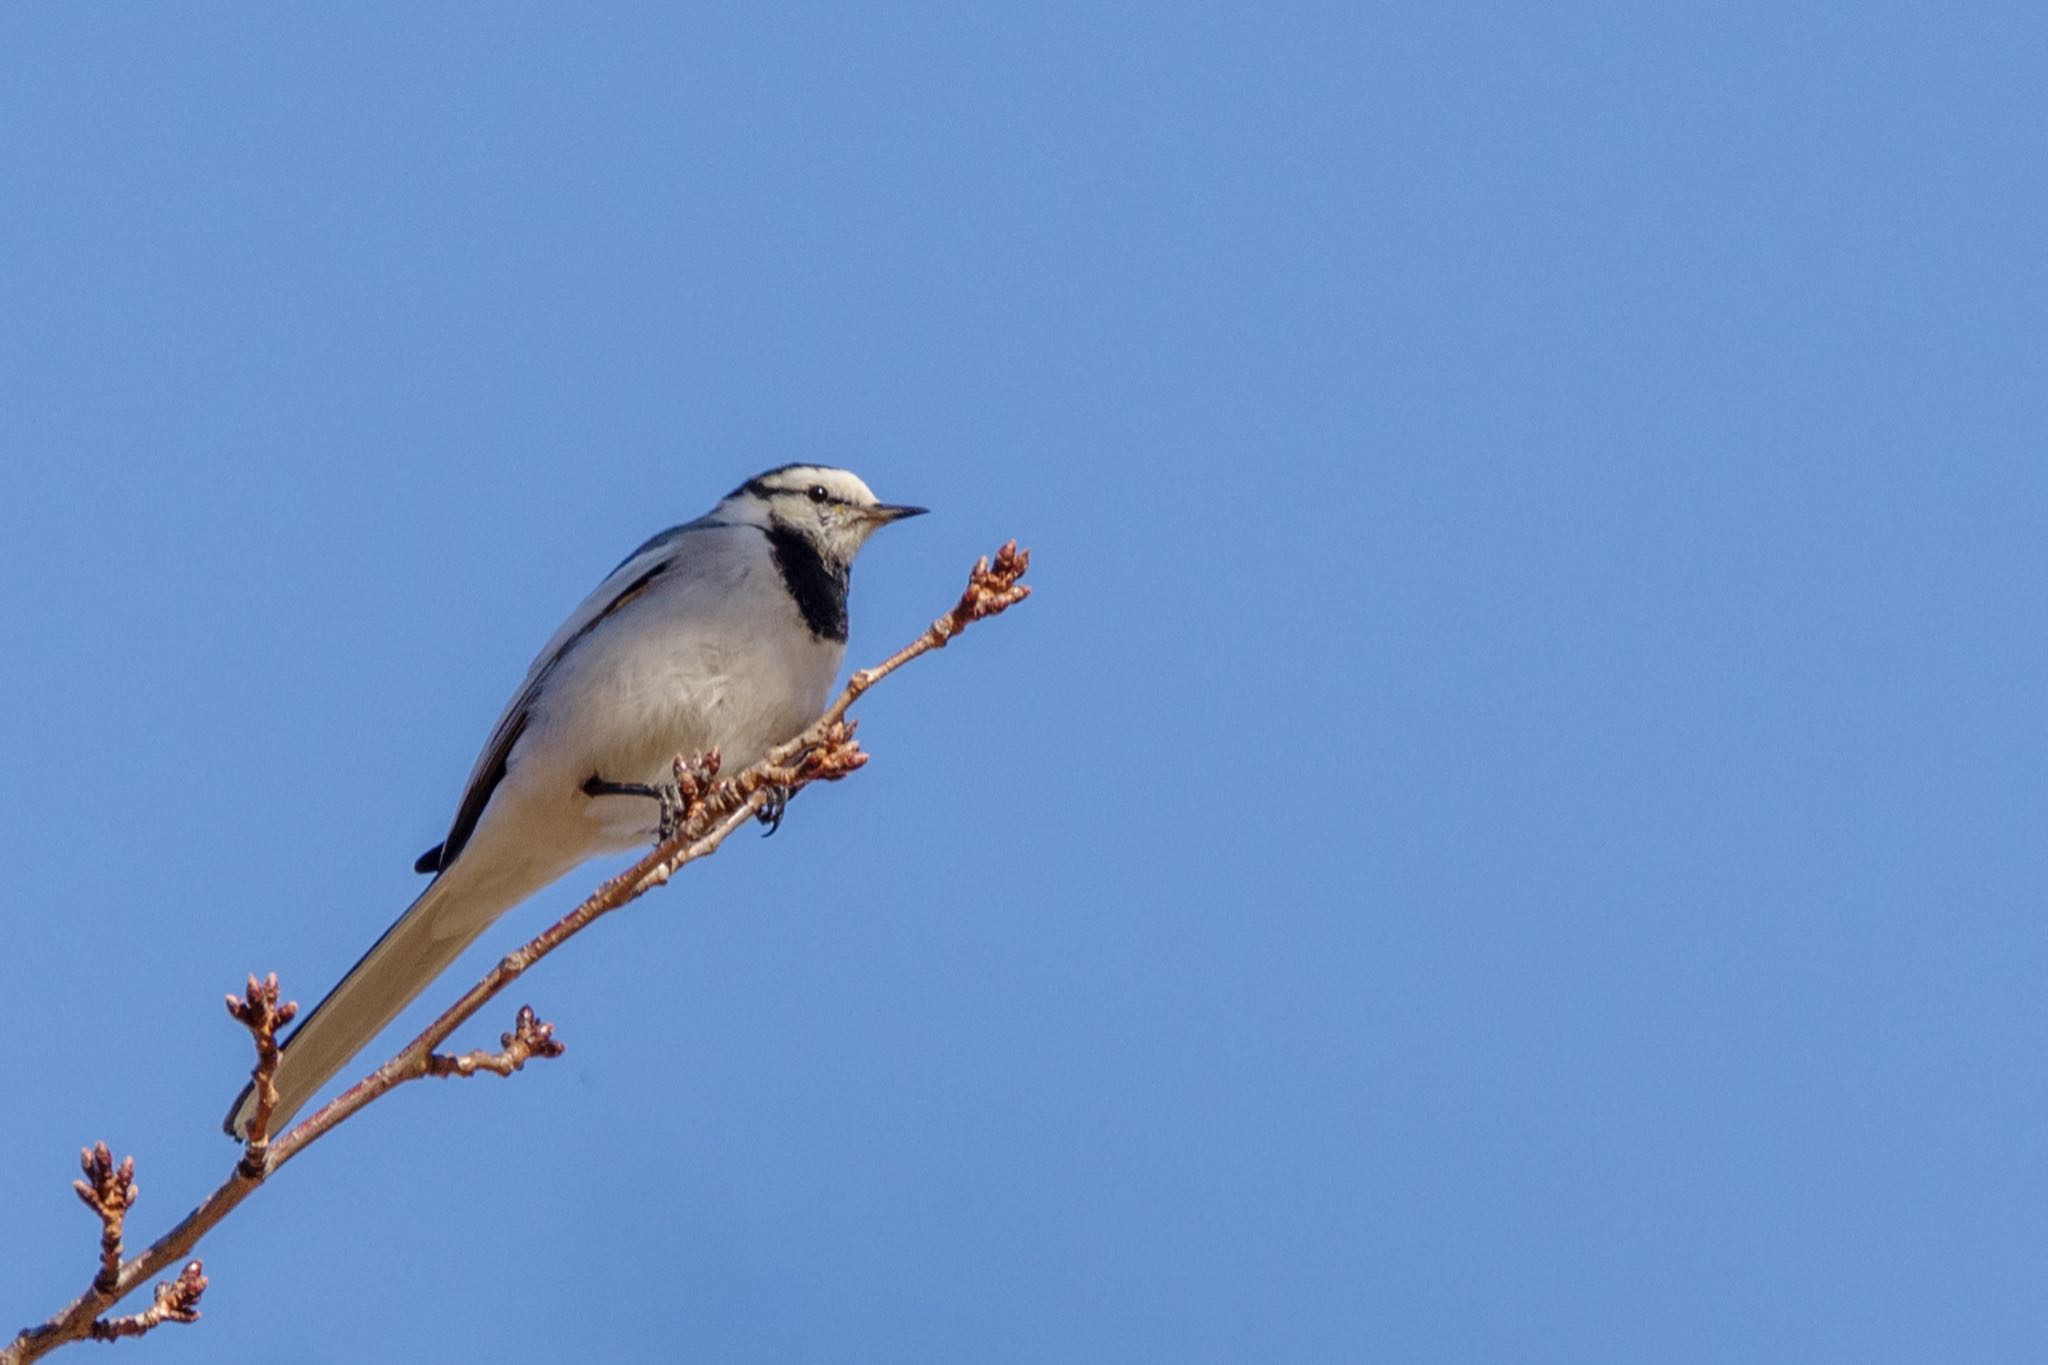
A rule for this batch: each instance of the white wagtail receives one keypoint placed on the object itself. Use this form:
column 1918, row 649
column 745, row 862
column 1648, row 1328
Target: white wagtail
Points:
column 725, row 632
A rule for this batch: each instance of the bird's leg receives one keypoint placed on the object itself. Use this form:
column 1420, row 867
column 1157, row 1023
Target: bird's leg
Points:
column 668, row 795
column 598, row 786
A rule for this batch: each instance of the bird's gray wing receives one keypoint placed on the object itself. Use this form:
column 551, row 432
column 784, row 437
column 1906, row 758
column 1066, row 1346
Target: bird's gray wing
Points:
column 633, row 577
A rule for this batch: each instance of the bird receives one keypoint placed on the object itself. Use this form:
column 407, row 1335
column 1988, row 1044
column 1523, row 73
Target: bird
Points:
column 725, row 632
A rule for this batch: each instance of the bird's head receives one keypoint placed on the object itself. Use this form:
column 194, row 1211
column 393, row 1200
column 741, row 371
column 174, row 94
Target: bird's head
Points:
column 830, row 508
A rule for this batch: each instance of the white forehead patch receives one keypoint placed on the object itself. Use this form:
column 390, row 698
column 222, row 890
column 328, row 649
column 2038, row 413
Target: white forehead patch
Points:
column 841, row 485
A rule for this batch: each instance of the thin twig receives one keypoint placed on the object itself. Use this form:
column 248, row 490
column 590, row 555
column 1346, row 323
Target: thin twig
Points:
column 257, row 1009
column 708, row 812
column 176, row 1301
column 991, row 589
column 109, row 1191
column 529, row 1038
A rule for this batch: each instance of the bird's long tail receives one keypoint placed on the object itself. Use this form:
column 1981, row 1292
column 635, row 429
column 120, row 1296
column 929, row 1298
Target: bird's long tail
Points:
column 446, row 918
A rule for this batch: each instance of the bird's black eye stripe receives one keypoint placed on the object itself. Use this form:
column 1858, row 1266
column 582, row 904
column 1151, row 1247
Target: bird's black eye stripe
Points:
column 816, row 492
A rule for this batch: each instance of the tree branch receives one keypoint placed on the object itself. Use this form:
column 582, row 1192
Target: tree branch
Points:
column 706, row 813
column 110, row 1191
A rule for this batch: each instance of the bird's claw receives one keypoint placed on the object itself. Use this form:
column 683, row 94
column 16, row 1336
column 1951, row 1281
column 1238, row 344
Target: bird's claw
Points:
column 770, row 813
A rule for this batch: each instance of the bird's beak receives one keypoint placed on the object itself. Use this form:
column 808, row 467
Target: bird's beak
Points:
column 885, row 512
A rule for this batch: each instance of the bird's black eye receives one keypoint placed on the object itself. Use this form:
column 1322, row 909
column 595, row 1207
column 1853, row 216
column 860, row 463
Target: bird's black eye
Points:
column 816, row 492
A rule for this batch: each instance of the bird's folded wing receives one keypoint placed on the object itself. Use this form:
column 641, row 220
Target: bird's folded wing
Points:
column 622, row 585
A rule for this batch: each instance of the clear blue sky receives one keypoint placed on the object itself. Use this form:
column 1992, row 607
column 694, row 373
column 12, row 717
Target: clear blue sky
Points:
column 1511, row 831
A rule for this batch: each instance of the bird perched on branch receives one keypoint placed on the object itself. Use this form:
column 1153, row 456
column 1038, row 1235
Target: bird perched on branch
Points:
column 725, row 633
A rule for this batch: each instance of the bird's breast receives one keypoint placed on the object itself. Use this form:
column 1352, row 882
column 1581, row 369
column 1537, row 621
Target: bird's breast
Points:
column 678, row 671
